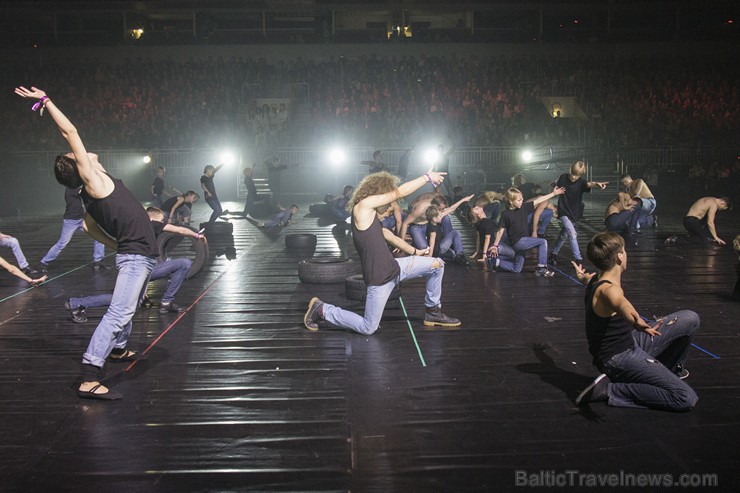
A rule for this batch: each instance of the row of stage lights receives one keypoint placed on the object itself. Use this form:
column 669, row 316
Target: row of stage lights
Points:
column 337, row 157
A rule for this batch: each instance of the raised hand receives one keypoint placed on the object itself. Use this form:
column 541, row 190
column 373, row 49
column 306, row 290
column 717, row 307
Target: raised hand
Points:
column 33, row 93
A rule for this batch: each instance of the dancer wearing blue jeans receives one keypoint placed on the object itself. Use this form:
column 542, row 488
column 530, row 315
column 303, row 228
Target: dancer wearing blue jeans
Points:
column 380, row 270
column 74, row 214
column 570, row 208
column 12, row 243
column 639, row 190
column 114, row 217
column 176, row 269
column 642, row 366
column 514, row 223
column 209, row 191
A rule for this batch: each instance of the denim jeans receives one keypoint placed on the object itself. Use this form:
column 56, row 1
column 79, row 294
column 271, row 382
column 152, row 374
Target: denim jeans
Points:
column 377, row 296
column 214, row 204
column 647, row 209
column 511, row 259
column 176, row 268
column 418, row 234
column 13, row 244
column 645, row 376
column 115, row 327
column 621, row 221
column 69, row 226
column 527, row 242
column 568, row 231
column 545, row 219
column 508, row 259
column 453, row 241
column 390, row 221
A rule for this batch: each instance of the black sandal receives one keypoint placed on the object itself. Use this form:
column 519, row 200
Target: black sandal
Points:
column 111, row 395
column 124, row 357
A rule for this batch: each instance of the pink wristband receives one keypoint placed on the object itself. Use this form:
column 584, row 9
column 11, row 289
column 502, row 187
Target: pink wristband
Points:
column 39, row 103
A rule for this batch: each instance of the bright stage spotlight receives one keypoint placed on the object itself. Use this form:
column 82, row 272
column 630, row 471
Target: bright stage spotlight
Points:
column 527, row 156
column 227, row 158
column 337, row 157
column 147, row 159
column 431, row 156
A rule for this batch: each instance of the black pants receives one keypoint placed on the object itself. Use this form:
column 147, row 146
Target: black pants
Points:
column 698, row 230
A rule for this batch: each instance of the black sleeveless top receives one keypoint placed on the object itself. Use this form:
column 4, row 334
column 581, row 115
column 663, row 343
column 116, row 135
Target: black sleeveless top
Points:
column 378, row 264
column 606, row 336
column 124, row 219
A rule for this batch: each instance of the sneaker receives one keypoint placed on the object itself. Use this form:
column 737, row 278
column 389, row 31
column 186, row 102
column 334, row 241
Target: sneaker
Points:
column 493, row 263
column 100, row 266
column 42, row 268
column 552, row 259
column 543, row 271
column 671, row 240
column 435, row 317
column 27, row 270
column 146, row 302
column 78, row 313
column 597, row 391
column 313, row 314
column 170, row 307
column 461, row 259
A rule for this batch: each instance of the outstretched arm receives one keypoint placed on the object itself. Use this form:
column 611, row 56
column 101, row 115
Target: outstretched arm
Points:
column 183, row 231
column 613, row 300
column 454, row 206
column 19, row 273
column 97, row 184
column 556, row 191
column 601, row 184
column 364, row 211
column 397, row 242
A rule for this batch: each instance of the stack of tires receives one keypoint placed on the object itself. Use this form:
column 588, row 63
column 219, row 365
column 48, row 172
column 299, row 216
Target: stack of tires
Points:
column 326, row 270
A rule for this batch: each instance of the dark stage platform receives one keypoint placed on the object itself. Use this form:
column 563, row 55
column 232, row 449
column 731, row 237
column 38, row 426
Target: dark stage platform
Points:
column 235, row 395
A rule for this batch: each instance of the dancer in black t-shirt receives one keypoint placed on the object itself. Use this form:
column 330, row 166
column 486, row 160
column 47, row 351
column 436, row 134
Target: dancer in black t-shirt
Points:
column 642, row 366
column 209, row 191
column 115, row 218
column 380, row 270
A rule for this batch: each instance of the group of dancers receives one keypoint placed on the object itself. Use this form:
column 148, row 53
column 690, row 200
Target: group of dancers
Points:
column 642, row 365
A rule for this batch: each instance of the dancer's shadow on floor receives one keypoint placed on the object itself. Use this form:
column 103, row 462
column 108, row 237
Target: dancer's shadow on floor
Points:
column 570, row 383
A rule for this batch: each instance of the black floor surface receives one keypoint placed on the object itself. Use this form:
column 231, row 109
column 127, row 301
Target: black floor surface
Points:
column 235, row 395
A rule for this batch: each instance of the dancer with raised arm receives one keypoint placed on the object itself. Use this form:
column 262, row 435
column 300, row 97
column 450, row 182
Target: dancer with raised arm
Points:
column 115, row 218
column 380, row 270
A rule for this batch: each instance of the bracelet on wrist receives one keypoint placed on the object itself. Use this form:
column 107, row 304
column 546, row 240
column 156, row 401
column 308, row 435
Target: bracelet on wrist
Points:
column 428, row 177
column 41, row 103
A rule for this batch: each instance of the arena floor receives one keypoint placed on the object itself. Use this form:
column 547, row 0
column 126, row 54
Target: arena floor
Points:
column 235, row 395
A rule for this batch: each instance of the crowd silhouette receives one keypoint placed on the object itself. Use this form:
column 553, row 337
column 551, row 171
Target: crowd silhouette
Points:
column 378, row 100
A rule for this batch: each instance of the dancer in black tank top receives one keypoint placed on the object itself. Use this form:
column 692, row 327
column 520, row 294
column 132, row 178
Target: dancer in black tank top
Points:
column 642, row 366
column 381, row 271
column 115, row 218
